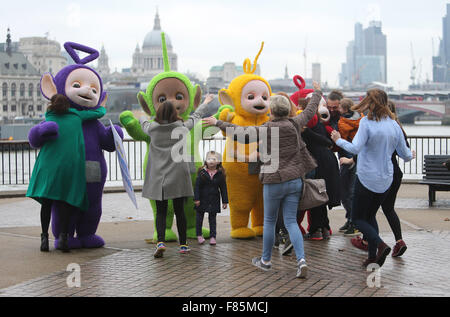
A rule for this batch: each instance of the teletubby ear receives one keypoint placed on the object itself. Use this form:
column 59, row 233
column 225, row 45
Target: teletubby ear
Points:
column 103, row 104
column 225, row 98
column 48, row 87
column 143, row 103
column 198, row 96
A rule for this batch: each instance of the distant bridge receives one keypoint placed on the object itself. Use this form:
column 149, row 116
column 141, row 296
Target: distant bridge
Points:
column 436, row 109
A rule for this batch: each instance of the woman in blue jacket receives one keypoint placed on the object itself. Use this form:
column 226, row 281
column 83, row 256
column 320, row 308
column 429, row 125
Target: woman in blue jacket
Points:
column 378, row 136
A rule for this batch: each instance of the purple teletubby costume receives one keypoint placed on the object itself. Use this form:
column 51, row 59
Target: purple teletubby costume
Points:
column 97, row 137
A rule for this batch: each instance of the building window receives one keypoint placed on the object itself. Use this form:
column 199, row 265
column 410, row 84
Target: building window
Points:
column 38, row 90
column 13, row 108
column 5, row 108
column 22, row 90
column 13, row 90
column 5, row 90
column 30, row 108
column 30, row 90
column 39, row 107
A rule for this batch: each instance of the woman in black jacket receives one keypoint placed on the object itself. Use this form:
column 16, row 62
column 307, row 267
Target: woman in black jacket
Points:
column 210, row 185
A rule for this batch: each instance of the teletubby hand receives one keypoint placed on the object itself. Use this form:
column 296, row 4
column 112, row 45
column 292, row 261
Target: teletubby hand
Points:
column 126, row 117
column 226, row 113
column 48, row 130
column 43, row 132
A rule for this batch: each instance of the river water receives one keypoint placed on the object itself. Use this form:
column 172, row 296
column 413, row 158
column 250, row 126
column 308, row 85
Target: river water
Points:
column 16, row 167
column 427, row 130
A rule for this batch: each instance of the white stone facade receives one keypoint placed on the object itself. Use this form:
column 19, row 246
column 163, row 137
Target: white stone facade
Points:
column 148, row 61
column 21, row 97
column 44, row 54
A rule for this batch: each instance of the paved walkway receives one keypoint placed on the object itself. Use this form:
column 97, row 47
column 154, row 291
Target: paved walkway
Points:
column 126, row 267
column 225, row 270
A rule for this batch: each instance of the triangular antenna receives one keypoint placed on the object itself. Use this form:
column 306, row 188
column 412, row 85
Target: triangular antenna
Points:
column 165, row 56
column 71, row 47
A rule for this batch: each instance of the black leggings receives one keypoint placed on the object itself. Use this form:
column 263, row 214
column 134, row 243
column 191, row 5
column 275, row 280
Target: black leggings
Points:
column 46, row 210
column 319, row 218
column 161, row 214
column 388, row 206
column 212, row 223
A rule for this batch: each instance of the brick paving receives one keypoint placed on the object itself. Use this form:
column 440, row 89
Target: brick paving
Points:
column 226, row 270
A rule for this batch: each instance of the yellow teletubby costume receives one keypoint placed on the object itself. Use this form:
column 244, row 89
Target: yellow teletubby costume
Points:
column 245, row 103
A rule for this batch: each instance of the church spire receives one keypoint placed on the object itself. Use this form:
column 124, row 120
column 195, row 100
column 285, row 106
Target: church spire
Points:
column 157, row 25
column 8, row 43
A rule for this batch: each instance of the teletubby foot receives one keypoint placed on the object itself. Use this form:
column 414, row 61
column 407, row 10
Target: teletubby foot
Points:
column 74, row 243
column 169, row 236
column 243, row 233
column 92, row 241
column 258, row 230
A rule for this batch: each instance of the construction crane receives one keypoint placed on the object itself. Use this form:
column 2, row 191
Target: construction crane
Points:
column 419, row 72
column 413, row 68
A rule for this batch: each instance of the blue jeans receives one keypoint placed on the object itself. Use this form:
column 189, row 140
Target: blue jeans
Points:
column 283, row 196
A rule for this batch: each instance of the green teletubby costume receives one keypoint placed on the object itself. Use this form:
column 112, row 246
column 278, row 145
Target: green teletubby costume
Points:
column 133, row 127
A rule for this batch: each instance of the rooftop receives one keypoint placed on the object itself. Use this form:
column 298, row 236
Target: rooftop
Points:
column 15, row 64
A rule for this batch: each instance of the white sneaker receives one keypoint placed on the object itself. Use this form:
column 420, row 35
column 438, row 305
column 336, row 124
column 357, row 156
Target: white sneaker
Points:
column 302, row 269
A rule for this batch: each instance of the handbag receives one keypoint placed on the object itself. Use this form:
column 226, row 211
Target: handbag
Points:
column 314, row 191
column 314, row 194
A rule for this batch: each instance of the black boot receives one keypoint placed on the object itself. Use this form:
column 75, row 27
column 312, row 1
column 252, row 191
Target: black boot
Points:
column 63, row 243
column 44, row 242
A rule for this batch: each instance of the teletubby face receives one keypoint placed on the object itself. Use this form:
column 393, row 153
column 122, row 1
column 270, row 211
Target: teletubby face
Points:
column 83, row 87
column 174, row 90
column 322, row 110
column 255, row 97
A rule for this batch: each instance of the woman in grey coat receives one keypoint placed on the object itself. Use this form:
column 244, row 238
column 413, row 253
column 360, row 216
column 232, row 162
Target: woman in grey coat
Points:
column 167, row 175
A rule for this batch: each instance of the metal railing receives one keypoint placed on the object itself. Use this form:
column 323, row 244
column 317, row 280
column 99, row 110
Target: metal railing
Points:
column 17, row 158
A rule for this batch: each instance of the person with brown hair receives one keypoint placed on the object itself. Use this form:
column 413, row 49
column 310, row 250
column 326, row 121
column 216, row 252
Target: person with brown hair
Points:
column 281, row 173
column 210, row 185
column 61, row 158
column 389, row 202
column 333, row 100
column 378, row 136
column 166, row 176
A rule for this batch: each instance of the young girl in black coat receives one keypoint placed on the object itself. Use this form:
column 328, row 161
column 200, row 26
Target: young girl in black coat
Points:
column 210, row 185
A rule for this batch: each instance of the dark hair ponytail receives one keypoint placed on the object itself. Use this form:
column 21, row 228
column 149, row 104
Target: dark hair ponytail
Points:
column 167, row 113
column 59, row 104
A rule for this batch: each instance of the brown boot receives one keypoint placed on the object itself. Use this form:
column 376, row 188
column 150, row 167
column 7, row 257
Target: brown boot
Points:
column 369, row 261
column 382, row 253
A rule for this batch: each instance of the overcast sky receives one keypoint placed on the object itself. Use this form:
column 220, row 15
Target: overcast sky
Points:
column 207, row 33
